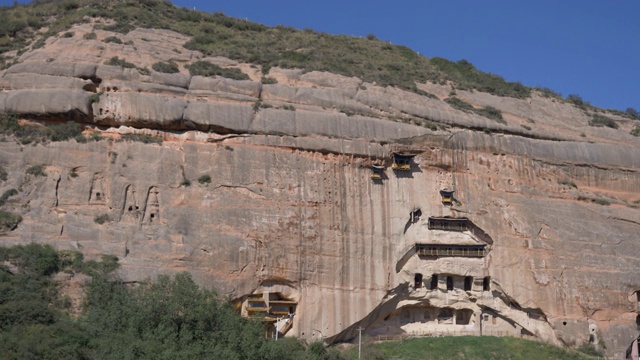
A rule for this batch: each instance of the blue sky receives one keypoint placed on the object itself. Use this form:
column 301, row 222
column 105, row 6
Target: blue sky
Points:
column 586, row 47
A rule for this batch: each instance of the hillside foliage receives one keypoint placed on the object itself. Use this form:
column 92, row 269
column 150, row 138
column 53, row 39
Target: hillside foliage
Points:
column 368, row 58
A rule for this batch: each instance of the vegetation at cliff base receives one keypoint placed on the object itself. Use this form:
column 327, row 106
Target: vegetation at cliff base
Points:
column 469, row 348
column 169, row 318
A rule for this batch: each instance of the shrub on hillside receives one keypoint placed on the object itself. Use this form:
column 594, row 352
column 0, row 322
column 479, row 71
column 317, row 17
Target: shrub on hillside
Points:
column 113, row 39
column 115, row 61
column 36, row 170
column 6, row 195
column 204, row 179
column 632, row 113
column 8, row 221
column 491, row 113
column 459, row 104
column 101, row 219
column 205, row 68
column 163, row 67
column 66, row 131
column 143, row 138
column 599, row 121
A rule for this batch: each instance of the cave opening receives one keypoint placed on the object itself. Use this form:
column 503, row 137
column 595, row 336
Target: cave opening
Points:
column 486, row 284
column 468, row 281
column 417, row 279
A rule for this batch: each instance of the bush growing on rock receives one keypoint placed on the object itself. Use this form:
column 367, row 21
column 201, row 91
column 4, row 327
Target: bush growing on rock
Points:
column 205, row 68
column 6, row 195
column 599, row 121
column 491, row 113
column 204, row 179
column 143, row 138
column 115, row 61
column 36, row 170
column 459, row 104
column 8, row 221
column 268, row 80
column 66, row 131
column 113, row 39
column 101, row 219
column 163, row 67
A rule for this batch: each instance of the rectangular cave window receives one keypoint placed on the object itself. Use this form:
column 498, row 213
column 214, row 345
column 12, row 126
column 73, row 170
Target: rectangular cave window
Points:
column 434, row 282
column 486, row 284
column 417, row 279
column 449, row 283
column 467, row 283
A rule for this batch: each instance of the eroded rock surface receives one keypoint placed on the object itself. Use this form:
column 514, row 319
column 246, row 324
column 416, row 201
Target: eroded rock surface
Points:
column 291, row 212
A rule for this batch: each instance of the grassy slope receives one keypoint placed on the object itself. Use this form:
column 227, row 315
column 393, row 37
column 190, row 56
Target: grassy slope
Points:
column 216, row 34
column 467, row 347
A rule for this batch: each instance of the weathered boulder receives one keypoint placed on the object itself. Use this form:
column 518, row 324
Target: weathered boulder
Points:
column 49, row 102
column 79, row 70
column 219, row 117
column 220, row 84
column 35, row 81
column 292, row 210
column 338, row 125
column 139, row 109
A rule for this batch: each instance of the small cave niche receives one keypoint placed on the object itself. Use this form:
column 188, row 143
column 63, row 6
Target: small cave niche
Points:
column 463, row 316
column 417, row 280
column 447, row 197
column 153, row 204
column 426, row 316
column 486, row 283
column 445, row 316
column 434, row 282
column 449, row 283
column 638, row 321
column 415, row 215
column 97, row 194
column 468, row 282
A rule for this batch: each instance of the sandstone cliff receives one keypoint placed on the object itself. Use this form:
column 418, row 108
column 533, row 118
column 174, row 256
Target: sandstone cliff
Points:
column 291, row 215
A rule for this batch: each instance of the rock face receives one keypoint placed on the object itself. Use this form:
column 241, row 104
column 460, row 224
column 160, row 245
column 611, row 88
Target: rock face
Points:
column 291, row 223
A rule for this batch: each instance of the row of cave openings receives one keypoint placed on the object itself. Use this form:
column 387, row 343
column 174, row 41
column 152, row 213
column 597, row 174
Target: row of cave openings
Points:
column 97, row 196
column 441, row 316
column 451, row 282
